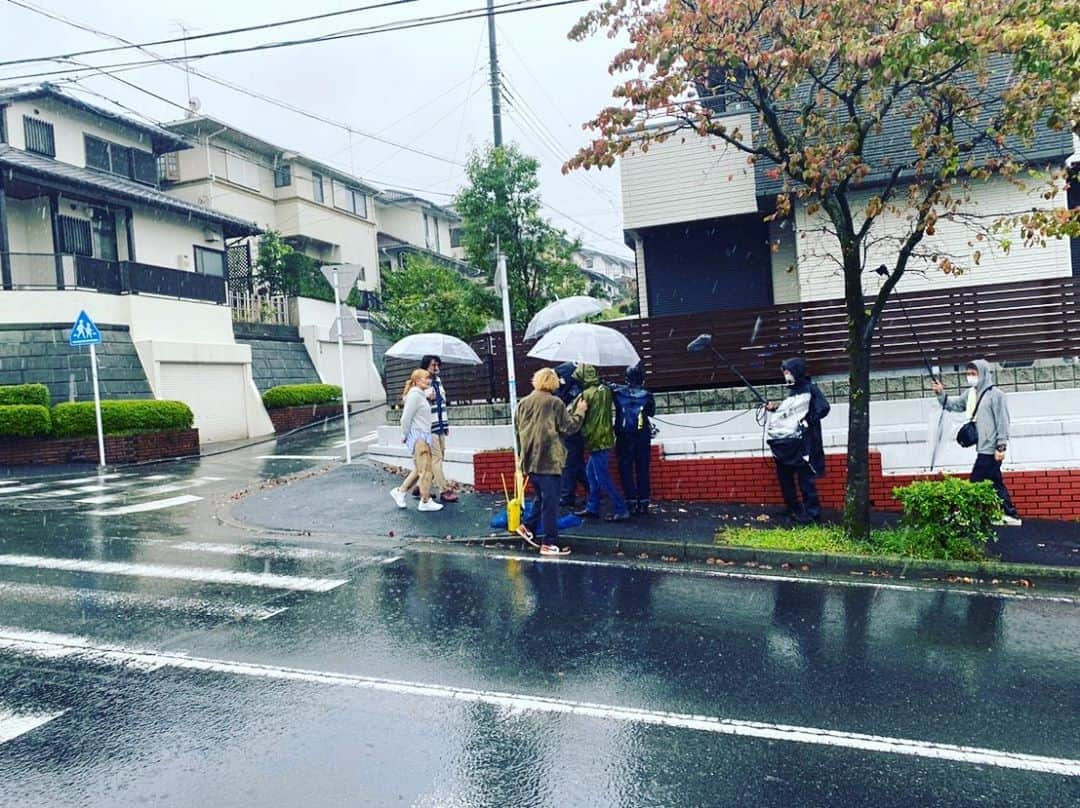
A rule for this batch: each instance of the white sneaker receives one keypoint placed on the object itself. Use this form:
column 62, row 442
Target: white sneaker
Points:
column 430, row 505
column 398, row 496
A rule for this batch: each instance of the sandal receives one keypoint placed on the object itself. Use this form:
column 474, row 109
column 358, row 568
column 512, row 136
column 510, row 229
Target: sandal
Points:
column 524, row 532
column 554, row 550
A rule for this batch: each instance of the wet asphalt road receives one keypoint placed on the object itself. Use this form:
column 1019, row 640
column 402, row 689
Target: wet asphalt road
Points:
column 162, row 657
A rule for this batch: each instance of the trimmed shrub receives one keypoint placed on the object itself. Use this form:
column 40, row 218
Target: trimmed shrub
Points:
column 74, row 420
column 297, row 395
column 25, row 420
column 950, row 518
column 37, row 394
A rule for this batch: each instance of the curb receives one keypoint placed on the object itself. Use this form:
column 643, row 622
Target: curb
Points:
column 955, row 572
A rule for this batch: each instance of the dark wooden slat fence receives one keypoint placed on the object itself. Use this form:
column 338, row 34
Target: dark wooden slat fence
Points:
column 1001, row 322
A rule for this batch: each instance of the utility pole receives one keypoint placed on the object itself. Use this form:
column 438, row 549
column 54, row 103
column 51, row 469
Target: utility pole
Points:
column 496, row 87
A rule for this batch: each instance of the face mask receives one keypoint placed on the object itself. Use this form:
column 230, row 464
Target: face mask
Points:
column 972, row 381
column 788, row 379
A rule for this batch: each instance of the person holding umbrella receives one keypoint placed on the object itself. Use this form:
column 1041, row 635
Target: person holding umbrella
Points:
column 599, row 433
column 574, row 471
column 440, row 426
column 416, row 432
column 543, row 420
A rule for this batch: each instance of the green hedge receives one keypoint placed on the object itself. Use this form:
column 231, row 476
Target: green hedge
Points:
column 25, row 420
column 77, row 419
column 296, row 395
column 24, row 394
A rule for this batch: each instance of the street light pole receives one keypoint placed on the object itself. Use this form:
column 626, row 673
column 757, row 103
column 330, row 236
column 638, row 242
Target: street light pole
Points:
column 341, row 368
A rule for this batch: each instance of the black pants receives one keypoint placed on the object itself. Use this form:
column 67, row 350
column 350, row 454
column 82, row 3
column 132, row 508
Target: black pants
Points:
column 811, row 504
column 632, row 453
column 988, row 468
column 574, row 470
column 546, row 512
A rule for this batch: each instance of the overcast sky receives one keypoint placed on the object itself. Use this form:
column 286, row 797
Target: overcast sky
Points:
column 425, row 88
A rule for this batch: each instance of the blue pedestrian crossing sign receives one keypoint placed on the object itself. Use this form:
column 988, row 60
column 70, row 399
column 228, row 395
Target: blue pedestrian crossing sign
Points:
column 84, row 332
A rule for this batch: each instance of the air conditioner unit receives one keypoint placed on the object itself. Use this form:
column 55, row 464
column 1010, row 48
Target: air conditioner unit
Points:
column 211, row 234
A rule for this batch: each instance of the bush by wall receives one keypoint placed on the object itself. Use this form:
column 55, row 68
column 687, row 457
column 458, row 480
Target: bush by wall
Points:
column 949, row 518
column 296, row 395
column 77, row 419
column 25, row 420
column 37, row 394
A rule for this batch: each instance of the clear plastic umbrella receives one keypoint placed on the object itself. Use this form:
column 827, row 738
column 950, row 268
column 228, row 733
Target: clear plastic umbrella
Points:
column 450, row 350
column 560, row 312
column 586, row 343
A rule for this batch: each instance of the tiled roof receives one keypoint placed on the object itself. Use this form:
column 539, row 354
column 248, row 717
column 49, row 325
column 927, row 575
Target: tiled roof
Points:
column 162, row 139
column 390, row 196
column 46, row 168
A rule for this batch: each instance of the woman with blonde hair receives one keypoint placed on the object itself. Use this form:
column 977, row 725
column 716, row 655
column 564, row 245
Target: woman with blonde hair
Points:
column 416, row 435
column 542, row 421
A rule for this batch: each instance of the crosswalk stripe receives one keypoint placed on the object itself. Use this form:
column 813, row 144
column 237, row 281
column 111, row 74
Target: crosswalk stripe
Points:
column 143, row 507
column 107, row 599
column 8, row 482
column 97, row 478
column 370, row 436
column 298, row 457
column 45, row 645
column 20, row 488
column 14, row 724
column 253, row 551
column 169, row 488
column 298, row 583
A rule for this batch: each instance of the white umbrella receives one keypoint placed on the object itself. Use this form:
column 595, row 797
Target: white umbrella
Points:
column 450, row 350
column 587, row 344
column 566, row 310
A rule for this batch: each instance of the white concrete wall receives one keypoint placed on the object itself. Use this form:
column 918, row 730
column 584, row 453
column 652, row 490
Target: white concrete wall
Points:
column 362, row 381
column 403, row 222
column 687, row 178
column 820, row 276
column 1045, row 434
column 69, row 126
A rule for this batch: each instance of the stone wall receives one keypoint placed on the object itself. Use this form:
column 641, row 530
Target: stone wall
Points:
column 278, row 355
column 41, row 354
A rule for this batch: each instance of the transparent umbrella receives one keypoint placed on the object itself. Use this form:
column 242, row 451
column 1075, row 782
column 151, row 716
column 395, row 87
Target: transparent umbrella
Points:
column 450, row 350
column 586, row 343
column 560, row 312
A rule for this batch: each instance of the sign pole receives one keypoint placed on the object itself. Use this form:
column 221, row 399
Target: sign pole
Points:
column 97, row 407
column 341, row 368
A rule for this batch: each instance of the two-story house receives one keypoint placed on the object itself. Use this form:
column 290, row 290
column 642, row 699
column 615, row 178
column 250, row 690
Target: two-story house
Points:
column 85, row 225
column 319, row 210
column 693, row 211
column 410, row 224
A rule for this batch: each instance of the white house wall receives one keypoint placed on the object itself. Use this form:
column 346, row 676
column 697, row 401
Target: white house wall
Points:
column 819, row 272
column 168, row 240
column 687, row 178
column 69, row 125
column 785, row 273
column 403, row 223
column 29, row 227
column 362, row 380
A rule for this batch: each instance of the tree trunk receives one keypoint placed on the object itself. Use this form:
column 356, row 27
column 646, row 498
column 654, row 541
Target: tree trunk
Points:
column 857, row 493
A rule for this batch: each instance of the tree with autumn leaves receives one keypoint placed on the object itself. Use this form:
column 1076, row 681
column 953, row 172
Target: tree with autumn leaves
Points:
column 973, row 85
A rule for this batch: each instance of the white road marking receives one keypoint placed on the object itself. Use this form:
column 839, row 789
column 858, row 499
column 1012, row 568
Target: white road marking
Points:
column 153, row 505
column 391, row 560
column 298, row 583
column 105, row 599
column 55, row 492
column 102, row 500
column 182, row 485
column 97, row 478
column 876, row 583
column 370, row 436
column 13, row 724
column 21, row 488
column 51, row 646
column 254, row 551
column 298, row 457
column 9, row 482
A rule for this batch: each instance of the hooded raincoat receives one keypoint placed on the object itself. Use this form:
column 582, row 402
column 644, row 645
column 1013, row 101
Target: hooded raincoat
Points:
column 799, row 415
column 599, row 427
column 992, row 417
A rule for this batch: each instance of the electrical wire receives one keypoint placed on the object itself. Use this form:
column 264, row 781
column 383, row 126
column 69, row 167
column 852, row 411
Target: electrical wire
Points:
column 515, row 7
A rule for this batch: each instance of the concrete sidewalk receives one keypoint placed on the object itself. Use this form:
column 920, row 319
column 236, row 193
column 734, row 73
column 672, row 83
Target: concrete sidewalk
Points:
column 354, row 501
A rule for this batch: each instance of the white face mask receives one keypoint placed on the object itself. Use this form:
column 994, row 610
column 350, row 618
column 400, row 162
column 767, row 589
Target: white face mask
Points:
column 972, row 381
column 788, row 379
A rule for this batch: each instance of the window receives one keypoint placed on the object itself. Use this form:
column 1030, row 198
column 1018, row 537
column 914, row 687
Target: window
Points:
column 169, row 167
column 39, row 136
column 317, row 188
column 103, row 230
column 455, row 237
column 210, row 262
column 431, row 233
column 3, row 126
column 76, row 237
column 350, row 199
column 283, row 176
column 123, row 161
column 241, row 171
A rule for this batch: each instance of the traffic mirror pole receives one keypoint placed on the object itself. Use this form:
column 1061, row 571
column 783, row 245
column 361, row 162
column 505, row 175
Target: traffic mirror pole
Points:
column 341, row 368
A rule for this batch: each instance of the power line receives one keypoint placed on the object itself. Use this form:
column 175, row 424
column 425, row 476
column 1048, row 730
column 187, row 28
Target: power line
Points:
column 186, row 38
column 423, row 22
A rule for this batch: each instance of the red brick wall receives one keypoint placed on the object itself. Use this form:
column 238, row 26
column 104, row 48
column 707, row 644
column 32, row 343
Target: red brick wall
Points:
column 118, row 448
column 1050, row 494
column 286, row 419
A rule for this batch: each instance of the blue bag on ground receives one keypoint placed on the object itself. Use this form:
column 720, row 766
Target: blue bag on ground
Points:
column 567, row 520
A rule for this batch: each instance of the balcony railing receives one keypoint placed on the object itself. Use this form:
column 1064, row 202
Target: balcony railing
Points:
column 253, row 307
column 51, row 271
